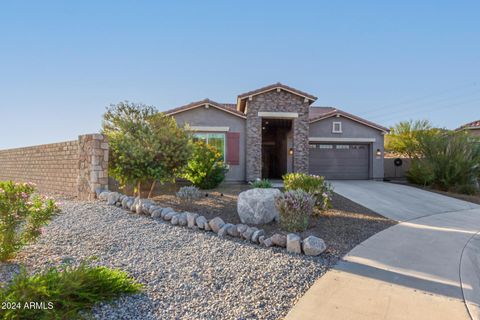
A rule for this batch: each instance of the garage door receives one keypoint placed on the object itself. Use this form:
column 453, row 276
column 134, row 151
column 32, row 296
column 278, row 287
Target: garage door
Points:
column 339, row 161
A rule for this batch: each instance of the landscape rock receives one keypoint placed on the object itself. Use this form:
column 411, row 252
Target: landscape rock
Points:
column 242, row 228
column 207, row 227
column 103, row 195
column 268, row 242
column 257, row 234
column 261, row 240
column 130, row 202
column 313, row 246
column 113, row 197
column 279, row 240
column 175, row 219
column 233, row 231
column 133, row 207
column 294, row 243
column 201, row 222
column 224, row 229
column 182, row 219
column 98, row 191
column 191, row 218
column 157, row 213
column 168, row 216
column 165, row 211
column 216, row 224
column 247, row 235
column 257, row 206
column 125, row 202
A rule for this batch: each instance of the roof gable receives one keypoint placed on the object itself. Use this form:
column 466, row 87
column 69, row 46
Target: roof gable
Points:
column 206, row 102
column 328, row 112
column 276, row 86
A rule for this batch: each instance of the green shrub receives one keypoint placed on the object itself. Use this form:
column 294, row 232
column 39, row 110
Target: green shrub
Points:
column 314, row 185
column 188, row 194
column 22, row 215
column 205, row 168
column 295, row 208
column 65, row 291
column 263, row 183
column 448, row 161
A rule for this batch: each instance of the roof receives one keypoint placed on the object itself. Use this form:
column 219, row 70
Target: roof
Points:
column 227, row 107
column 320, row 113
column 278, row 85
column 471, row 125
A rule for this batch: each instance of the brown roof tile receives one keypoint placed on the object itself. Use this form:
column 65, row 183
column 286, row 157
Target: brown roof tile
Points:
column 471, row 125
column 224, row 106
column 274, row 86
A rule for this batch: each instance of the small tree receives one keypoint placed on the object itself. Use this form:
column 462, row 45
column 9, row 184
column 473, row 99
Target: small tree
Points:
column 146, row 146
column 403, row 137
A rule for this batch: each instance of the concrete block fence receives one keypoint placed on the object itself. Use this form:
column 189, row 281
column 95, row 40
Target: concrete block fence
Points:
column 71, row 168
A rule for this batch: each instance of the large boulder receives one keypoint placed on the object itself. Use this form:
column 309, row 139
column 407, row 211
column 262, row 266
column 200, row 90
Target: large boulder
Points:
column 313, row 246
column 257, row 206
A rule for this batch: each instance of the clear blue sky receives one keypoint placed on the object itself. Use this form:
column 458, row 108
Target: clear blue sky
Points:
column 62, row 62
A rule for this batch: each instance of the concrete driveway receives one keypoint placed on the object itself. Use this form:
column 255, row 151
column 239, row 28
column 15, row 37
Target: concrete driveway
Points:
column 425, row 267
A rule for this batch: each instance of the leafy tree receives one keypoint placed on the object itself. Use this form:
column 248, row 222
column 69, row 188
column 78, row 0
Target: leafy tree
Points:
column 403, row 137
column 205, row 169
column 145, row 145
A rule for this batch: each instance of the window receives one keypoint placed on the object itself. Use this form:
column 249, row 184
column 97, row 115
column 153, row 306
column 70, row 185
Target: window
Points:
column 342, row 146
column 216, row 140
column 325, row 146
column 337, row 127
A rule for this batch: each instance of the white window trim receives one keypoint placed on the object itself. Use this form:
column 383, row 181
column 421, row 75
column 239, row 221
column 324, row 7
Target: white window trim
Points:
column 333, row 139
column 339, row 123
column 278, row 115
column 210, row 129
column 224, row 143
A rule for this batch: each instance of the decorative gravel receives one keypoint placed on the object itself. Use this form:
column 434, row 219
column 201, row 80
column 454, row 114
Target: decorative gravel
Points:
column 187, row 274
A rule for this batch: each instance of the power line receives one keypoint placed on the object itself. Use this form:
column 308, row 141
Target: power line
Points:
column 413, row 100
column 425, row 105
column 436, row 108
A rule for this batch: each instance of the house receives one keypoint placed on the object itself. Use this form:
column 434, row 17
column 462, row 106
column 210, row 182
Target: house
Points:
column 473, row 128
column 275, row 130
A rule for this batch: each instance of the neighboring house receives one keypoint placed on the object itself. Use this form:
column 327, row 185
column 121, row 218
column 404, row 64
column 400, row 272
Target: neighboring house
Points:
column 473, row 128
column 275, row 130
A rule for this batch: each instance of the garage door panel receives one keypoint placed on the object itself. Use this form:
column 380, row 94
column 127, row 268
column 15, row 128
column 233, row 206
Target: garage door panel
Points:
column 339, row 161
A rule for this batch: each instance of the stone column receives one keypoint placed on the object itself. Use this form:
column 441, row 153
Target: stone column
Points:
column 92, row 165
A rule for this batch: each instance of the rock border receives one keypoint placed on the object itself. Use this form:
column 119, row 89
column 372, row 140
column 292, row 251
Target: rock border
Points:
column 310, row 246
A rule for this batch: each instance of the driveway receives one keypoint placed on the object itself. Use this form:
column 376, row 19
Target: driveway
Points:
column 425, row 267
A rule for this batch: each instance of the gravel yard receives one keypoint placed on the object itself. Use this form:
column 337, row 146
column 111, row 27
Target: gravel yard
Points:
column 187, row 274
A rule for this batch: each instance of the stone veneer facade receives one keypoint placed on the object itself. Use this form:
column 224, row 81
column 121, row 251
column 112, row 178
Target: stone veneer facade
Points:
column 71, row 168
column 276, row 101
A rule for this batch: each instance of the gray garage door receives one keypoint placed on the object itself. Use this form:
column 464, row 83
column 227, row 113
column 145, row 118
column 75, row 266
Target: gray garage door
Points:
column 339, row 161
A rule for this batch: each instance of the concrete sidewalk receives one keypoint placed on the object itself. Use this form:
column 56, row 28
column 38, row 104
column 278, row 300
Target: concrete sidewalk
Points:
column 426, row 268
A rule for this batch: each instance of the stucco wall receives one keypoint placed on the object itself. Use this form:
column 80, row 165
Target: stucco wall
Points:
column 274, row 101
column 213, row 117
column 353, row 129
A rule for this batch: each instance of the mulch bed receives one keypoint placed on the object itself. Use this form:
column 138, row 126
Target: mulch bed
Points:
column 342, row 227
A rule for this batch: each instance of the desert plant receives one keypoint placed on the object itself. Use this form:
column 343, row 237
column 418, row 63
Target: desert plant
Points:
column 316, row 186
column 453, row 160
column 22, row 215
column 295, row 208
column 188, row 194
column 205, row 168
column 145, row 145
column 65, row 291
column 261, row 183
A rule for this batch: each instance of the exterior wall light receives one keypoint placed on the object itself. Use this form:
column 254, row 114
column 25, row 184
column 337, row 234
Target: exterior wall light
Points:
column 378, row 153
column 290, row 151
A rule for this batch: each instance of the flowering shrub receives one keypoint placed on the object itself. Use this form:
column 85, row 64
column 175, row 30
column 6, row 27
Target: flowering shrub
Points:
column 22, row 215
column 314, row 185
column 188, row 193
column 295, row 208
